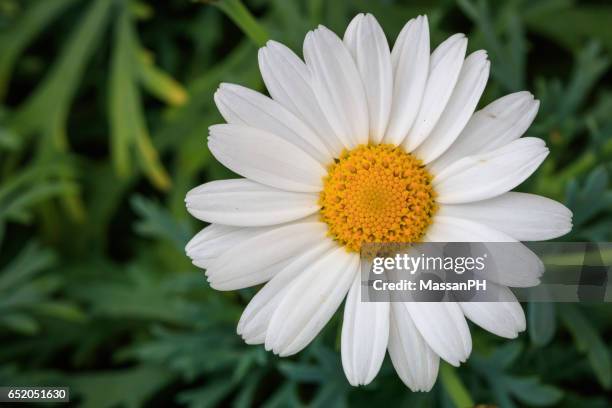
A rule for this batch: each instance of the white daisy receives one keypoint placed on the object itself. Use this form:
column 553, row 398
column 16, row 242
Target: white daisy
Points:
column 363, row 144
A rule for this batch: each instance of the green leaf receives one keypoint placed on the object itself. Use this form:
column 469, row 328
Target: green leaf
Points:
column 37, row 183
column 157, row 222
column 504, row 40
column 507, row 354
column 588, row 341
column 246, row 395
column 20, row 323
column 571, row 26
column 26, row 28
column 129, row 387
column 530, row 391
column 302, row 372
column 46, row 110
column 9, row 140
column 122, row 97
column 31, row 261
column 135, row 294
column 208, row 396
column 128, row 125
column 542, row 322
column 454, row 387
column 591, row 64
column 61, row 310
column 159, row 83
column 506, row 387
column 243, row 18
column 590, row 199
column 27, row 290
column 284, row 396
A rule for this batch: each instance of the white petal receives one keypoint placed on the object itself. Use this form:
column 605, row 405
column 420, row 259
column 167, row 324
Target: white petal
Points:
column 255, row 319
column 243, row 106
column 505, row 319
column 242, row 202
column 525, row 217
column 413, row 359
column 444, row 328
column 337, row 86
column 498, row 124
column 288, row 81
column 368, row 45
column 490, row 174
column 350, row 34
column 257, row 259
column 472, row 80
column 310, row 301
column 365, row 334
column 265, row 158
column 444, row 67
column 452, row 229
column 215, row 239
column 513, row 265
column 410, row 59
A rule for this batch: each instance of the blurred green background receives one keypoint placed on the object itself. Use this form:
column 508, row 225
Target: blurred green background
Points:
column 104, row 109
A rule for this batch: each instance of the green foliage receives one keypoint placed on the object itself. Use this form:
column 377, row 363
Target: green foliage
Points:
column 506, row 387
column 588, row 341
column 542, row 322
column 104, row 110
column 129, row 387
column 453, row 386
column 27, row 293
column 128, row 124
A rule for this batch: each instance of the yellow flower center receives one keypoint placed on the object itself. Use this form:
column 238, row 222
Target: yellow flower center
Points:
column 377, row 194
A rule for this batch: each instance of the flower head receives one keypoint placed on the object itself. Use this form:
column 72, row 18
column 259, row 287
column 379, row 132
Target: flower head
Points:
column 359, row 144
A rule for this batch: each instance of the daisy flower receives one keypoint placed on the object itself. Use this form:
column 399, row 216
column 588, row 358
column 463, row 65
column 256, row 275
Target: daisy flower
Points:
column 359, row 143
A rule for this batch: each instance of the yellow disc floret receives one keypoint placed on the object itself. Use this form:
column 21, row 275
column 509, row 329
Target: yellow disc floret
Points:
column 377, row 194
